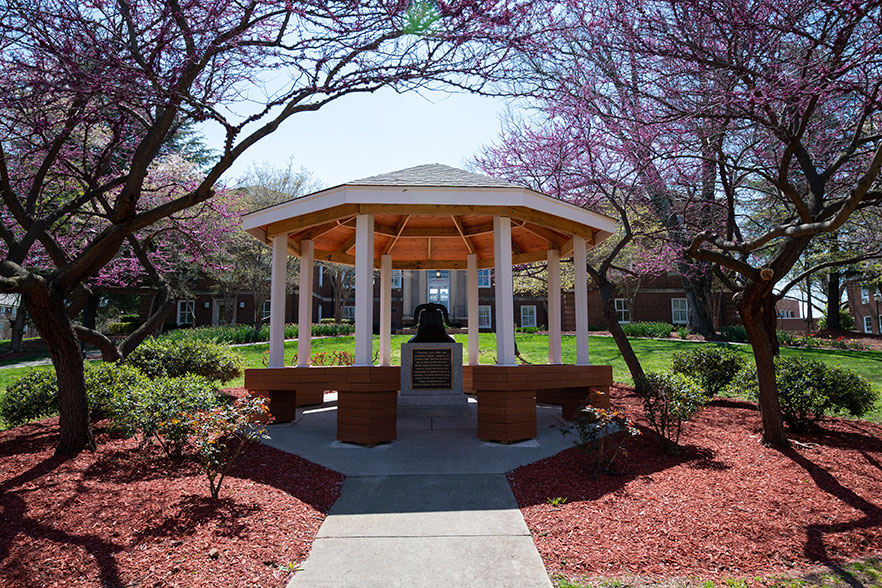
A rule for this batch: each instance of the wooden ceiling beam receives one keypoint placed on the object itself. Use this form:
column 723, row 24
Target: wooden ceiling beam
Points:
column 307, row 221
column 554, row 239
column 314, row 233
column 346, row 245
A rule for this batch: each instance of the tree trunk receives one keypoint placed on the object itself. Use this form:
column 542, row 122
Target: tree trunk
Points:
column 18, row 326
column 834, row 296
column 700, row 301
column 757, row 309
column 50, row 316
column 615, row 329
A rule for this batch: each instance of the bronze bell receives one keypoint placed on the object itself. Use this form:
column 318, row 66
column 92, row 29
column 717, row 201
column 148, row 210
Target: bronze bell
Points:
column 431, row 318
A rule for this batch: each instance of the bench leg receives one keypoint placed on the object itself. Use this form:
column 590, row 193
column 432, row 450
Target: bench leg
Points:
column 310, row 397
column 367, row 418
column 506, row 416
column 282, row 404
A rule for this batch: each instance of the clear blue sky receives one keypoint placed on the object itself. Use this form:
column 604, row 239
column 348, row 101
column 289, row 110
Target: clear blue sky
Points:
column 367, row 134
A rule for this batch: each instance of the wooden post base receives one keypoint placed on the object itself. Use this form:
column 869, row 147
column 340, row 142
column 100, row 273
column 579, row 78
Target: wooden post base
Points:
column 506, row 416
column 368, row 417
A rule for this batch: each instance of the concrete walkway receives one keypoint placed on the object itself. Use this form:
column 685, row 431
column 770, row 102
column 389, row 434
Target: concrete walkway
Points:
column 432, row 509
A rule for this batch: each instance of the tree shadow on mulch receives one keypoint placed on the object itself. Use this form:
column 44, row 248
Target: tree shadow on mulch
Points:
column 192, row 511
column 854, row 437
column 31, row 438
column 644, row 457
column 13, row 512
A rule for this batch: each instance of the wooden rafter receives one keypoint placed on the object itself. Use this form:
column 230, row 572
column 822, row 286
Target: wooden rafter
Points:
column 401, row 224
column 554, row 239
column 457, row 221
column 346, row 245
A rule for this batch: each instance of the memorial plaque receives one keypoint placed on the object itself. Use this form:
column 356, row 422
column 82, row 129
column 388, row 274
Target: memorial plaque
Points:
column 432, row 369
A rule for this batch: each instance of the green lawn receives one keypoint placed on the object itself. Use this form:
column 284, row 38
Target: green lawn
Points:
column 653, row 354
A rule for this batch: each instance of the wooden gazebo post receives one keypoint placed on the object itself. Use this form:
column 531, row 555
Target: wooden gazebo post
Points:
column 580, row 262
column 304, row 314
column 472, row 297
column 505, row 352
column 554, row 336
column 364, row 289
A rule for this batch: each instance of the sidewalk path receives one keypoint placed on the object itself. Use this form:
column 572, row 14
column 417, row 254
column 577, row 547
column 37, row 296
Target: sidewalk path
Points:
column 451, row 531
column 432, row 509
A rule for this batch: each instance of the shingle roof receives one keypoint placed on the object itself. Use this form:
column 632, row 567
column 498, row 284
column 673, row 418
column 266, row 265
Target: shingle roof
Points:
column 434, row 175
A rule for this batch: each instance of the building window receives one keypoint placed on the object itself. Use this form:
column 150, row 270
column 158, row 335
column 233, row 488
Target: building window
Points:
column 880, row 323
column 679, row 311
column 785, row 313
column 623, row 310
column 484, row 278
column 865, row 295
column 349, row 312
column 186, row 308
column 528, row 316
column 321, row 276
column 439, row 287
column 396, row 278
column 868, row 324
column 484, row 317
column 266, row 310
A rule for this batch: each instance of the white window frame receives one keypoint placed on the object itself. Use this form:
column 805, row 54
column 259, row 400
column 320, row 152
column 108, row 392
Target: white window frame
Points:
column 524, row 321
column 266, row 310
column 396, row 278
column 868, row 324
column 623, row 309
column 187, row 306
column 349, row 312
column 879, row 319
column 865, row 295
column 676, row 311
column 484, row 278
column 321, row 279
column 485, row 311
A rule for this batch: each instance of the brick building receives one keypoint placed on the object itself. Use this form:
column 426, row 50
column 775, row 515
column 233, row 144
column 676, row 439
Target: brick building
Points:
column 865, row 305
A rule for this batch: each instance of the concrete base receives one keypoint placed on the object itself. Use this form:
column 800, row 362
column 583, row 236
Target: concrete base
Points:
column 416, row 403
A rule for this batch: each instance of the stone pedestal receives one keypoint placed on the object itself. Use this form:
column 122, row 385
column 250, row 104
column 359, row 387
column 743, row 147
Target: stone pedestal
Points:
column 431, row 380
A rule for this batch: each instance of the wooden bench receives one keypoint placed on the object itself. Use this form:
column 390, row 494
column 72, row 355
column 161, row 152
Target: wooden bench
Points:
column 367, row 397
column 507, row 395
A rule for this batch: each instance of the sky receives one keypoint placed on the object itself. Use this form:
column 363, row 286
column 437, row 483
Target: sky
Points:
column 363, row 135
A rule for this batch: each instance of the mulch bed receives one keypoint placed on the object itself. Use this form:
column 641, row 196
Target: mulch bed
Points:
column 724, row 507
column 121, row 516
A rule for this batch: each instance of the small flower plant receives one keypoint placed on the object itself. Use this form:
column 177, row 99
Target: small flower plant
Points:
column 602, row 435
column 221, row 434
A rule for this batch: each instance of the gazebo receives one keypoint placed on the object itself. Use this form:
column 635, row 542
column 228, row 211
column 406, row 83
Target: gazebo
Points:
column 429, row 217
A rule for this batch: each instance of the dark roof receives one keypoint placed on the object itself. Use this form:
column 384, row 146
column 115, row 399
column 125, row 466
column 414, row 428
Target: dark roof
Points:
column 434, row 175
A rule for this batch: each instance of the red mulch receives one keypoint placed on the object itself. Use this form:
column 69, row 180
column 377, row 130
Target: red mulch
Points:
column 127, row 517
column 726, row 506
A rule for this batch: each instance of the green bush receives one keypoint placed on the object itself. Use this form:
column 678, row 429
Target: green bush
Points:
column 736, row 333
column 808, row 389
column 129, row 318
column 159, row 409
column 602, row 435
column 35, row 395
column 712, row 366
column 683, row 332
column 669, row 400
column 240, row 334
column 122, row 328
column 158, row 357
column 645, row 329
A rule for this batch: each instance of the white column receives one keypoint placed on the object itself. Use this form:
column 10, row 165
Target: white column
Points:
column 580, row 262
column 364, row 289
column 386, row 310
column 472, row 299
column 278, row 277
column 304, row 312
column 505, row 353
column 554, row 306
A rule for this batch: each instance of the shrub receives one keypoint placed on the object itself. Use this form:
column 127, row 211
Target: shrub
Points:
column 129, row 318
column 646, row 329
column 158, row 409
column 736, row 333
column 35, row 394
column 683, row 332
column 808, row 389
column 785, row 338
column 602, row 435
column 122, row 328
column 32, row 396
column 222, row 433
column 669, row 400
column 712, row 366
column 157, row 358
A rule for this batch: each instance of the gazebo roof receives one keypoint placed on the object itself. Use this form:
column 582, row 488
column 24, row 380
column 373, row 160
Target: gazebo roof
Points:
column 429, row 217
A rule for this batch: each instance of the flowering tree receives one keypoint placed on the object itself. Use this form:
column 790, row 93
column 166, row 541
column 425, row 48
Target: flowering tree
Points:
column 92, row 93
column 789, row 93
column 570, row 157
